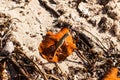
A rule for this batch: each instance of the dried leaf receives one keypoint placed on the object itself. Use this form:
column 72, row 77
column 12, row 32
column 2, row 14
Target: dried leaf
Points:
column 56, row 47
column 112, row 75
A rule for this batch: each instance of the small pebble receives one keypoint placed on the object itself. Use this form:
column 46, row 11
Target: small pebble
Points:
column 9, row 47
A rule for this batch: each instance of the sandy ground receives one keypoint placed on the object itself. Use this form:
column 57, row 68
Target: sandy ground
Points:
column 34, row 20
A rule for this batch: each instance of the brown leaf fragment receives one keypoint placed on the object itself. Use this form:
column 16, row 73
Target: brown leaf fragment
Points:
column 56, row 47
column 112, row 74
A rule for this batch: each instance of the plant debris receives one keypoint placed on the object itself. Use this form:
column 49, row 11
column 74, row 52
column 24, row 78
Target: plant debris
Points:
column 93, row 34
column 112, row 74
column 56, row 47
column 14, row 63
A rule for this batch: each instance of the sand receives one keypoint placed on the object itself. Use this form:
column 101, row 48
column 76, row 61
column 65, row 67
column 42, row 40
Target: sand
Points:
column 34, row 20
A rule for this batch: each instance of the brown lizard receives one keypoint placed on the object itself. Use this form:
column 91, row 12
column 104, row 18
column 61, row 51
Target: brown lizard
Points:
column 60, row 43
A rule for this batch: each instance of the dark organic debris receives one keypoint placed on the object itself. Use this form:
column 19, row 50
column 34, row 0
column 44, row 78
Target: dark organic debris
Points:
column 102, row 25
column 113, row 15
column 49, row 8
column 103, row 2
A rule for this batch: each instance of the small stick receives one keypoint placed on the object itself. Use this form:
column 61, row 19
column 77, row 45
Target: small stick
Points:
column 0, row 43
column 4, row 37
column 42, row 73
column 94, row 37
column 60, row 70
column 58, row 67
column 5, row 75
column 8, row 31
column 82, row 56
column 47, row 7
column 21, row 70
column 50, row 75
column 102, row 47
